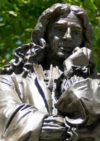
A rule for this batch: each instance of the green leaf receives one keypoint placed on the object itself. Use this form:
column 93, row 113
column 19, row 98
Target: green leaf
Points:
column 12, row 13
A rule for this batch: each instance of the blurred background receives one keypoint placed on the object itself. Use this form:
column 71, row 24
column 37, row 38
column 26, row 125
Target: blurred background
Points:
column 18, row 18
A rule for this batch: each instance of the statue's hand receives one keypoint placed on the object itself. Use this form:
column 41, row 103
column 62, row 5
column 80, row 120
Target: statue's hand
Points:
column 53, row 128
column 53, row 122
column 70, row 101
column 79, row 58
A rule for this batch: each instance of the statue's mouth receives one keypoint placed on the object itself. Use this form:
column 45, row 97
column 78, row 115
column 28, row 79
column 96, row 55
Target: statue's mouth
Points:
column 64, row 51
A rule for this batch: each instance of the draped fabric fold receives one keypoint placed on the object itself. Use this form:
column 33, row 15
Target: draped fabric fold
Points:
column 21, row 111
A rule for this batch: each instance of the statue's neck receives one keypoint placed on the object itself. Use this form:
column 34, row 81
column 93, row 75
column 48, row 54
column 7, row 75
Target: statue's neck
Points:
column 50, row 58
column 47, row 63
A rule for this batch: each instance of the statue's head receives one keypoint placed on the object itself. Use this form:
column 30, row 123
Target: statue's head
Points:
column 63, row 27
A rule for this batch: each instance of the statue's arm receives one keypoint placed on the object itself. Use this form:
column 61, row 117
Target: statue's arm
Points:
column 18, row 120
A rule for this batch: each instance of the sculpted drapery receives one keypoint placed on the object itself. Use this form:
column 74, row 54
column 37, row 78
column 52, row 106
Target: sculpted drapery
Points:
column 50, row 90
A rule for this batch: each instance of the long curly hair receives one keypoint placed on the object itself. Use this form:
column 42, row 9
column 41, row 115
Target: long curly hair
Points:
column 26, row 55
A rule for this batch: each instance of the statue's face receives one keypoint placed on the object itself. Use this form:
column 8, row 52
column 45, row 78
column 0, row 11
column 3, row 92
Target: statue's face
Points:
column 64, row 35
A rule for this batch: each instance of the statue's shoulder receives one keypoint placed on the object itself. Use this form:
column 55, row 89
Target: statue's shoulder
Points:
column 5, row 78
column 10, row 80
column 6, row 83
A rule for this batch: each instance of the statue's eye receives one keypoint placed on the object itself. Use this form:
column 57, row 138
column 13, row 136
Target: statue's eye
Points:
column 76, row 30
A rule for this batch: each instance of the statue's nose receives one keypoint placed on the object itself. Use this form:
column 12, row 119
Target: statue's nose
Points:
column 67, row 34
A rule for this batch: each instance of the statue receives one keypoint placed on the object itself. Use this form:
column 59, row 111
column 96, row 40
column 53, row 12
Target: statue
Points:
column 50, row 90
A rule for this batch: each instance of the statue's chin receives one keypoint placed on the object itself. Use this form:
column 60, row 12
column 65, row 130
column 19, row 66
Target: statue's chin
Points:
column 62, row 55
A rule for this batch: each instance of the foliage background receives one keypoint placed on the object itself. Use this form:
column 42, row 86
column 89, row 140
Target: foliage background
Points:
column 18, row 17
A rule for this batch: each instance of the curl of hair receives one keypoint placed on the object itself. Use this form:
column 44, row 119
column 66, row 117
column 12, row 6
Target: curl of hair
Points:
column 24, row 58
